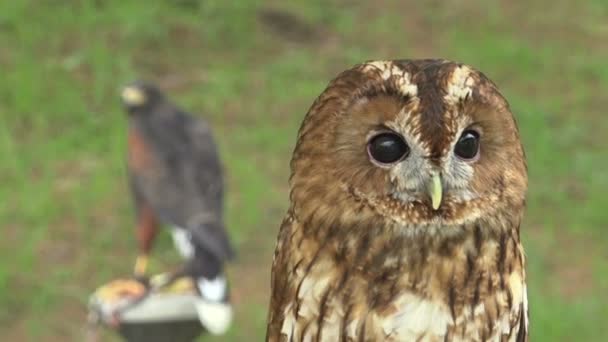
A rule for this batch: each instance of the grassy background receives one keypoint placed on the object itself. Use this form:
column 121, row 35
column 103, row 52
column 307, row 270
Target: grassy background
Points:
column 252, row 69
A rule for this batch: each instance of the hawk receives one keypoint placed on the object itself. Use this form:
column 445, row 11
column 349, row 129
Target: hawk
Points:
column 176, row 179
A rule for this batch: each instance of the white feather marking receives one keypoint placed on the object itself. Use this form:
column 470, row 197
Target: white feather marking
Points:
column 460, row 85
column 351, row 328
column 213, row 290
column 406, row 86
column 389, row 69
column 215, row 317
column 525, row 313
column 289, row 323
column 378, row 65
column 417, row 316
column 182, row 239
column 311, row 291
column 519, row 291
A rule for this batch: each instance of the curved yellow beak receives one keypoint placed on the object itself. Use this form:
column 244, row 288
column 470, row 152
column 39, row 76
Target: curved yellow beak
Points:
column 435, row 190
column 133, row 96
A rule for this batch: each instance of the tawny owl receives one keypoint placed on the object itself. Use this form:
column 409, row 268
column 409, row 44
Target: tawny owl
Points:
column 407, row 192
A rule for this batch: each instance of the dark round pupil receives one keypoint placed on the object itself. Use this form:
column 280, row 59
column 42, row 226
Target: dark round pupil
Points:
column 468, row 145
column 387, row 148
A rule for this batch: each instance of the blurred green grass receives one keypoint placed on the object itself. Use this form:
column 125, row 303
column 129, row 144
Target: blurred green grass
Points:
column 65, row 212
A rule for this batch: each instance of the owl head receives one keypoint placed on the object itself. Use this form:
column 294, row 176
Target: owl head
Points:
column 417, row 142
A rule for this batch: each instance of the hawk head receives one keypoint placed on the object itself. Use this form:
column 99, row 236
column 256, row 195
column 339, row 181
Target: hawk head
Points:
column 139, row 96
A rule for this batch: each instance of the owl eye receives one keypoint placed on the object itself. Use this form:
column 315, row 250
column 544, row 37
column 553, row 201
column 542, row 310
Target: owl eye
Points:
column 467, row 146
column 387, row 148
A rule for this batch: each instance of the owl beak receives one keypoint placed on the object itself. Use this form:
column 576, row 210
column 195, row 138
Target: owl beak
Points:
column 435, row 190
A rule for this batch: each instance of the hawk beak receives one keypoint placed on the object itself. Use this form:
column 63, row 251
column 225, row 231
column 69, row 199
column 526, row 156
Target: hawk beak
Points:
column 133, row 96
column 435, row 190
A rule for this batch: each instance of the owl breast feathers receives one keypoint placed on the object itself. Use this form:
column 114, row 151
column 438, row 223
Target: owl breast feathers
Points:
column 407, row 191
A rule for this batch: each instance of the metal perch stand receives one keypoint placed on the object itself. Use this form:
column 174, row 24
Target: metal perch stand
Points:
column 155, row 317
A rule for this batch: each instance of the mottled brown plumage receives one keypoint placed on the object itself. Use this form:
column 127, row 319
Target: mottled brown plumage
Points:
column 423, row 248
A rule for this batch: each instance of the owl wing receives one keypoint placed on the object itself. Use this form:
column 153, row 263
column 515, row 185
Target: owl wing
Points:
column 281, row 289
column 523, row 321
column 301, row 289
